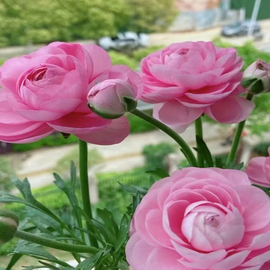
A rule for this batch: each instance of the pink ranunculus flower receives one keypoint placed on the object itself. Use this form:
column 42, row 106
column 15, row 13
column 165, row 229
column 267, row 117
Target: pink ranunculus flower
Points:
column 258, row 170
column 107, row 98
column 191, row 78
column 47, row 90
column 201, row 218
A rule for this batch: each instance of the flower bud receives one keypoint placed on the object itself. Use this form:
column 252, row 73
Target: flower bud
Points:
column 8, row 225
column 256, row 77
column 112, row 98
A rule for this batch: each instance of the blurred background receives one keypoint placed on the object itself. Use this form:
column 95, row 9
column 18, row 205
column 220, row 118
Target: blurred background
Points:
column 129, row 30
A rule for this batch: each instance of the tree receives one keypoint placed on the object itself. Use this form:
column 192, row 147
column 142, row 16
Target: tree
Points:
column 39, row 21
column 150, row 16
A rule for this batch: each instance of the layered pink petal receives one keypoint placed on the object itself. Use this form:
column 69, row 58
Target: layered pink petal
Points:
column 175, row 115
column 240, row 108
column 113, row 133
column 255, row 171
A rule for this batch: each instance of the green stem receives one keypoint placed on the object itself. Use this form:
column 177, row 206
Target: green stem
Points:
column 199, row 133
column 83, row 155
column 55, row 244
column 237, row 137
column 185, row 148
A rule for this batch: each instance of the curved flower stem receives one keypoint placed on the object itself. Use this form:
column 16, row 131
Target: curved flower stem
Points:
column 83, row 157
column 184, row 146
column 199, row 133
column 55, row 244
column 237, row 137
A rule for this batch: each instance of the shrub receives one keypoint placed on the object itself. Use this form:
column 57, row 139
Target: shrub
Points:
column 261, row 148
column 122, row 59
column 55, row 139
column 139, row 54
column 155, row 155
column 6, row 173
column 137, row 125
column 112, row 195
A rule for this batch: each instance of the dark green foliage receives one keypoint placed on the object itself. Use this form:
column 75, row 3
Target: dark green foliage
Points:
column 56, row 139
column 155, row 155
column 123, row 59
column 6, row 173
column 65, row 224
column 112, row 195
column 23, row 22
column 137, row 125
column 139, row 54
column 262, row 149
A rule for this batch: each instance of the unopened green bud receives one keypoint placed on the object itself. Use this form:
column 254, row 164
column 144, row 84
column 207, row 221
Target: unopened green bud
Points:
column 8, row 225
column 256, row 78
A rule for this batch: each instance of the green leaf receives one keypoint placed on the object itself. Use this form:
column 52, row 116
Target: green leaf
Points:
column 14, row 259
column 43, row 222
column 204, row 151
column 53, row 267
column 29, row 200
column 136, row 201
column 123, row 232
column 219, row 163
column 133, row 189
column 161, row 173
column 69, row 191
column 106, row 232
column 89, row 263
column 108, row 220
column 25, row 189
column 25, row 248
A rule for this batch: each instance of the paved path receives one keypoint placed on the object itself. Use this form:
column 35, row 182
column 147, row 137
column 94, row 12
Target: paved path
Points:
column 209, row 35
column 40, row 164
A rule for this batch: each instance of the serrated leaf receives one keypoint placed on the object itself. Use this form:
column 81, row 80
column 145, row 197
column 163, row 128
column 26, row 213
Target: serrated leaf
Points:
column 29, row 199
column 123, row 266
column 43, row 222
column 105, row 232
column 48, row 265
column 14, row 259
column 133, row 189
column 69, row 191
column 219, row 163
column 204, row 151
column 73, row 175
column 136, row 201
column 53, row 267
column 159, row 172
column 239, row 166
column 123, row 232
column 33, row 267
column 90, row 262
column 108, row 220
column 25, row 248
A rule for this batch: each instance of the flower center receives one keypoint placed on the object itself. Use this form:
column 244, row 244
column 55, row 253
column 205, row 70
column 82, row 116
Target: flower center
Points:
column 183, row 52
column 212, row 220
column 37, row 75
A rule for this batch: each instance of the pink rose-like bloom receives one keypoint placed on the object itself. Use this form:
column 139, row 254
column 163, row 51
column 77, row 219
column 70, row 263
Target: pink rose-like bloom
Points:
column 107, row 98
column 201, row 218
column 191, row 78
column 47, row 90
column 258, row 170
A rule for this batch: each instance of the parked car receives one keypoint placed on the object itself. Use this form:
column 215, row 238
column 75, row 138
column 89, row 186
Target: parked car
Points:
column 123, row 41
column 240, row 29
